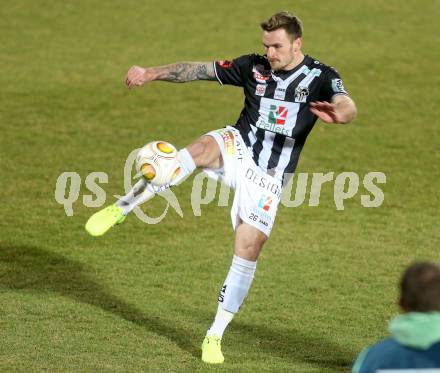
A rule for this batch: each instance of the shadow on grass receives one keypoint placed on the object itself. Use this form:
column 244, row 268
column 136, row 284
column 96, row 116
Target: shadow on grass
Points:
column 35, row 269
column 292, row 345
column 31, row 268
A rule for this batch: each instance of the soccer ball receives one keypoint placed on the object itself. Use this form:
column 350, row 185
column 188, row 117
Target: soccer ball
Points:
column 157, row 162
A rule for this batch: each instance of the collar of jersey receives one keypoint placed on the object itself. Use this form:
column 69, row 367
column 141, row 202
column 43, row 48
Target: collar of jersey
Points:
column 286, row 74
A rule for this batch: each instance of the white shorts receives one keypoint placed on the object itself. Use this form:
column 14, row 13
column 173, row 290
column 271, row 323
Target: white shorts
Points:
column 257, row 194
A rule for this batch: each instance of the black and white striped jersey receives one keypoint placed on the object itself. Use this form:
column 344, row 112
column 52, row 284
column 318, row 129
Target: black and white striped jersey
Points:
column 276, row 119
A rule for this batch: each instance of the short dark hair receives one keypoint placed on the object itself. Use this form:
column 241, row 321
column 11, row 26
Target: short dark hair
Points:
column 285, row 20
column 420, row 288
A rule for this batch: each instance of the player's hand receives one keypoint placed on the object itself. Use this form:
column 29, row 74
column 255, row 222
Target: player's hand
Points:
column 325, row 111
column 136, row 76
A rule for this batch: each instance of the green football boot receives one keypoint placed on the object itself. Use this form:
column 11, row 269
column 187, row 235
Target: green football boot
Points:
column 212, row 350
column 101, row 221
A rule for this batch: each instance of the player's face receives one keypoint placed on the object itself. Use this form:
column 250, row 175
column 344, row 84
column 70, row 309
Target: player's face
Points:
column 280, row 49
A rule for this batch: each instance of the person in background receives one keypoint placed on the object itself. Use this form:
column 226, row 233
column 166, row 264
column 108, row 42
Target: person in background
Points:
column 415, row 334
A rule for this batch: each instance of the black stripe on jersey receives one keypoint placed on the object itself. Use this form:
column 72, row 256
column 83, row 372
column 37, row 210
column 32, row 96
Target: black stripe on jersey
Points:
column 270, row 90
column 290, row 92
column 258, row 146
column 277, row 148
column 245, row 129
column 294, row 157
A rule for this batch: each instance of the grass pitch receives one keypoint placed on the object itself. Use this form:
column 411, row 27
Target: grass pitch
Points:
column 141, row 298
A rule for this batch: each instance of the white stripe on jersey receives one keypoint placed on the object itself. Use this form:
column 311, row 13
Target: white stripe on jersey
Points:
column 309, row 77
column 252, row 137
column 284, row 157
column 269, row 137
column 266, row 152
column 291, row 78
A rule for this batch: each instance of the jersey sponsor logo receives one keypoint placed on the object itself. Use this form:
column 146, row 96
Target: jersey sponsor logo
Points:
column 301, row 94
column 338, row 86
column 225, row 64
column 265, row 202
column 280, row 93
column 277, row 116
column 260, row 90
column 259, row 75
column 260, row 78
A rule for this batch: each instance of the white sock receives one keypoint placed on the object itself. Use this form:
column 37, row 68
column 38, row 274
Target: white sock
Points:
column 144, row 191
column 139, row 194
column 233, row 293
column 187, row 166
column 221, row 321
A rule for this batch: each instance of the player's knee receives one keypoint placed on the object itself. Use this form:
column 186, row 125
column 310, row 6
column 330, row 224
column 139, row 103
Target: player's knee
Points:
column 251, row 247
column 249, row 251
column 205, row 152
column 197, row 149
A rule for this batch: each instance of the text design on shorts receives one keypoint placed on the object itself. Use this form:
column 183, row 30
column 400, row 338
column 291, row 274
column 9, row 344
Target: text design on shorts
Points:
column 262, row 182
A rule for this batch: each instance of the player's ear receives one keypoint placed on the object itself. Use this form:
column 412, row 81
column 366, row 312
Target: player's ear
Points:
column 297, row 43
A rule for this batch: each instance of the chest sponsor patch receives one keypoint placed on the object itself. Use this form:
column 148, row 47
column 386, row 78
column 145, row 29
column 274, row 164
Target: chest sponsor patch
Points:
column 259, row 75
column 260, row 89
column 277, row 116
column 280, row 93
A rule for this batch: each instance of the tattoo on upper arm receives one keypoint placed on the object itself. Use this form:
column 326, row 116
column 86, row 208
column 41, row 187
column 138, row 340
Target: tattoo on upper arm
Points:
column 186, row 71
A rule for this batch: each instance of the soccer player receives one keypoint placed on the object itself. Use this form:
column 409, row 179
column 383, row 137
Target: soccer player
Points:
column 285, row 93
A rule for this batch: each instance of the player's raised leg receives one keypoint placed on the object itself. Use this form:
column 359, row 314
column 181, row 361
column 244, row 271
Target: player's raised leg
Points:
column 249, row 242
column 203, row 153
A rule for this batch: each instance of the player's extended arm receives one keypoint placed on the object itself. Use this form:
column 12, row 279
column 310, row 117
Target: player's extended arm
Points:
column 179, row 72
column 341, row 110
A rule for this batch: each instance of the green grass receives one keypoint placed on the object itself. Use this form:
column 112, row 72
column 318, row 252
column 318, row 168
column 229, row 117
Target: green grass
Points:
column 141, row 298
